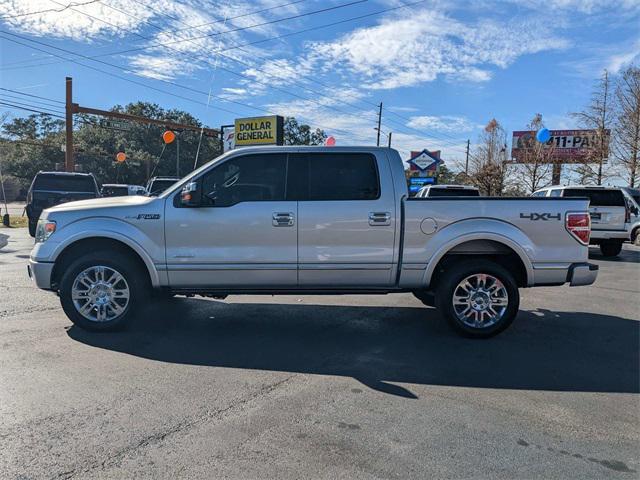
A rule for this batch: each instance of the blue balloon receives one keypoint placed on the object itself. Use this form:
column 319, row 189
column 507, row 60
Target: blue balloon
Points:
column 543, row 135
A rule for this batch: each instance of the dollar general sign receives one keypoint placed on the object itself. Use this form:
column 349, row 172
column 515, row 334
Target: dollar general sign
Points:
column 259, row 131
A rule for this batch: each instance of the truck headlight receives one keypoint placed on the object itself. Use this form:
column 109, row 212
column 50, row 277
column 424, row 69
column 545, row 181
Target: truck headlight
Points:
column 44, row 230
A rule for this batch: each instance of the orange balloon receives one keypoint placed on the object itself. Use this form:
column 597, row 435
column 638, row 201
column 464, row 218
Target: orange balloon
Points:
column 168, row 136
column 121, row 157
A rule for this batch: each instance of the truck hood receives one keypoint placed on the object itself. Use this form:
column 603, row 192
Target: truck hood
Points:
column 98, row 203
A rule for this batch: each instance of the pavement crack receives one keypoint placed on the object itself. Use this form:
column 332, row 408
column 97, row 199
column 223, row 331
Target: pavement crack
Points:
column 178, row 428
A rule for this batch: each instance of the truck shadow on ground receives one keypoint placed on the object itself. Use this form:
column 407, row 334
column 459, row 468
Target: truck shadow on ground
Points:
column 626, row 256
column 543, row 350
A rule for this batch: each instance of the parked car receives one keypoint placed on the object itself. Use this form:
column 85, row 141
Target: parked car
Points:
column 633, row 201
column 448, row 191
column 53, row 188
column 121, row 190
column 315, row 220
column 157, row 185
column 610, row 215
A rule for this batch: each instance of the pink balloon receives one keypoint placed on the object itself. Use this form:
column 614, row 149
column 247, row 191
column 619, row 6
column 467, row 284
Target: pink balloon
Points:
column 330, row 142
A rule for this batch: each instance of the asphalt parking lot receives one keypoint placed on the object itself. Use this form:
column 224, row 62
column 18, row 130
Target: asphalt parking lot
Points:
column 321, row 387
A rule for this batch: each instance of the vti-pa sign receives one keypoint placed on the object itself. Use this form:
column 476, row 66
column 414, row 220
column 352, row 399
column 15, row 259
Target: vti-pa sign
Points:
column 259, row 131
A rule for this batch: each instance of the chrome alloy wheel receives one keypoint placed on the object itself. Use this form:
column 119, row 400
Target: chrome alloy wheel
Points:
column 480, row 300
column 100, row 293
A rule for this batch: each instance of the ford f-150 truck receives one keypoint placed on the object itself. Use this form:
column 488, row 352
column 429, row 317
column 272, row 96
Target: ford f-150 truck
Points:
column 309, row 220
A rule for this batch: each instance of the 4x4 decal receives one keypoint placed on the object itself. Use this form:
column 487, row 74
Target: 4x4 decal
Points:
column 541, row 216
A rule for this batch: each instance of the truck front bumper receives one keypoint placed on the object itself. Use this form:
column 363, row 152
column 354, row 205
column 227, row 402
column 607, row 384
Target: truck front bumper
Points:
column 40, row 273
column 582, row 274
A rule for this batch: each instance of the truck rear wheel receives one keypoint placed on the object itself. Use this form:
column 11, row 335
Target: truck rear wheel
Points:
column 611, row 248
column 479, row 299
column 101, row 291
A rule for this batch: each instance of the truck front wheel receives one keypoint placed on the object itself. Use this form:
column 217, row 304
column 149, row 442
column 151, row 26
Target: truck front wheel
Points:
column 101, row 291
column 479, row 299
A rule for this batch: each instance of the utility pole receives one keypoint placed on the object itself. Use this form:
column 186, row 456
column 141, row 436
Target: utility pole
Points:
column 390, row 139
column 68, row 153
column 603, row 125
column 466, row 163
column 178, row 155
column 379, row 124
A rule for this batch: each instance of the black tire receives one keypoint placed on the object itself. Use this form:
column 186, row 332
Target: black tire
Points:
column 133, row 274
column 32, row 227
column 426, row 297
column 635, row 237
column 610, row 248
column 448, row 284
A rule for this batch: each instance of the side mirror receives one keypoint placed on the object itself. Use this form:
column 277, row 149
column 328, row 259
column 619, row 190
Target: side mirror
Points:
column 191, row 195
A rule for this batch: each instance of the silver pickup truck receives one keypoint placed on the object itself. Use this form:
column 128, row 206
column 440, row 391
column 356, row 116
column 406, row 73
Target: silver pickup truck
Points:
column 309, row 220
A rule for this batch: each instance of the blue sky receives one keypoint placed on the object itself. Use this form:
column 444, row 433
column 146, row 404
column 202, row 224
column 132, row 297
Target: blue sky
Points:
column 442, row 69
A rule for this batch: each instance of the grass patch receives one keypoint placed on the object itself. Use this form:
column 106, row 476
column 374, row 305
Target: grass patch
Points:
column 16, row 221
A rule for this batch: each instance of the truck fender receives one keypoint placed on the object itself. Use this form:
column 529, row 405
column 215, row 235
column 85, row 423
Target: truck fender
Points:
column 105, row 227
column 478, row 229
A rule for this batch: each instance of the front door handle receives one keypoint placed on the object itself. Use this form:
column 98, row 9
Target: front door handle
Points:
column 379, row 218
column 283, row 219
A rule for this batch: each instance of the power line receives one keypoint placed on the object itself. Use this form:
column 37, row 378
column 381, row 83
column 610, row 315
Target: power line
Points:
column 274, row 76
column 140, row 83
column 31, row 95
column 241, row 75
column 57, row 10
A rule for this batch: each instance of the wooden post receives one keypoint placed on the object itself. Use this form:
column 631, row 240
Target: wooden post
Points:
column 557, row 172
column 69, row 165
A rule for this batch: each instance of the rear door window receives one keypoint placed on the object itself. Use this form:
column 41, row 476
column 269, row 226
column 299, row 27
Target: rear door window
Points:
column 599, row 198
column 333, row 176
column 64, row 183
column 556, row 192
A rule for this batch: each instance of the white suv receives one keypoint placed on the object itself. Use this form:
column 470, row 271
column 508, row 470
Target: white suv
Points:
column 609, row 212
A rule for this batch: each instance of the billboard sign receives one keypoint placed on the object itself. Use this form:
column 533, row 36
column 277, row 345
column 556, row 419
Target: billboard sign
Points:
column 568, row 146
column 426, row 163
column 259, row 131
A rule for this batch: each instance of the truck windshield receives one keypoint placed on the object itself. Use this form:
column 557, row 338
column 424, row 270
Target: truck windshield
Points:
column 64, row 183
column 599, row 198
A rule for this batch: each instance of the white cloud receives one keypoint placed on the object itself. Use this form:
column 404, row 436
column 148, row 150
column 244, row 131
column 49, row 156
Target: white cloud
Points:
column 446, row 123
column 71, row 23
column 408, row 51
column 618, row 61
column 159, row 67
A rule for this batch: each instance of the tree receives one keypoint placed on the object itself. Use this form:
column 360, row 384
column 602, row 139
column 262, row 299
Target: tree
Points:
column 535, row 160
column 33, row 143
column 301, row 134
column 598, row 116
column 488, row 166
column 627, row 124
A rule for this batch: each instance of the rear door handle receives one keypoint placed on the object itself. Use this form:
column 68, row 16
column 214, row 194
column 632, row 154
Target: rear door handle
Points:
column 379, row 218
column 282, row 219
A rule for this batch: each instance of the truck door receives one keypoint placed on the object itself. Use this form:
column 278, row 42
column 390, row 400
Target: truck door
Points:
column 346, row 219
column 244, row 235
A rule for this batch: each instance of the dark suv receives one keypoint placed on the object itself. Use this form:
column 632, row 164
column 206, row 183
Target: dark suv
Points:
column 53, row 188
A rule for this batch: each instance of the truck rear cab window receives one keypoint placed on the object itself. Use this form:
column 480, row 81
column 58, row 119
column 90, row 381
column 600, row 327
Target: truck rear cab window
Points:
column 453, row 192
column 599, row 198
column 64, row 183
column 333, row 176
column 249, row 178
